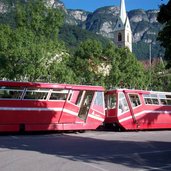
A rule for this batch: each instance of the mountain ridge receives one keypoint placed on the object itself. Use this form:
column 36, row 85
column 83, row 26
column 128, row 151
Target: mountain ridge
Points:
column 102, row 21
column 144, row 24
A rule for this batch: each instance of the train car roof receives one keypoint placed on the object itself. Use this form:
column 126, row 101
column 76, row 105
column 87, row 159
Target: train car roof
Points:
column 50, row 85
column 137, row 91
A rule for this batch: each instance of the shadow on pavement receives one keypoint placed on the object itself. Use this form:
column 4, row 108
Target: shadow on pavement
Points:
column 133, row 154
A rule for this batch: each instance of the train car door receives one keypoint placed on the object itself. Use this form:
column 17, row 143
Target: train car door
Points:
column 77, row 106
column 111, row 107
column 71, row 107
column 135, row 106
column 85, row 104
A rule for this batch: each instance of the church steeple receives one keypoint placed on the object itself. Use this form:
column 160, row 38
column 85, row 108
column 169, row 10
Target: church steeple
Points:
column 122, row 30
column 123, row 14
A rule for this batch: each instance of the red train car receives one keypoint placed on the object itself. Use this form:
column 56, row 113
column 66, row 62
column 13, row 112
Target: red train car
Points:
column 26, row 106
column 138, row 109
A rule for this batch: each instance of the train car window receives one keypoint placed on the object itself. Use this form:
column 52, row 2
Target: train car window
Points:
column 135, row 101
column 165, row 99
column 162, row 96
column 106, row 101
column 168, row 96
column 59, row 95
column 88, row 98
column 78, row 101
column 168, row 99
column 70, row 95
column 111, row 101
column 85, row 105
column 123, row 105
column 99, row 101
column 10, row 92
column 154, row 99
column 36, row 94
column 151, row 99
column 147, row 99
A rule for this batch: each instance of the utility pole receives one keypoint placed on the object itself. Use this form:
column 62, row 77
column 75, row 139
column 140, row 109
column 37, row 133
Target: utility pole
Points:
column 150, row 54
column 150, row 62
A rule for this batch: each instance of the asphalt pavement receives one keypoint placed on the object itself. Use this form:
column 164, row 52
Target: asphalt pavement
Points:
column 89, row 151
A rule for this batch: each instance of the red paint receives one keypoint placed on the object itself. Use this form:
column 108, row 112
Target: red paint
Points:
column 44, row 114
column 143, row 116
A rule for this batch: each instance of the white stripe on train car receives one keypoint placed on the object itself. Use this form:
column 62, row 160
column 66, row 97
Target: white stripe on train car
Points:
column 145, row 112
column 90, row 115
column 102, row 113
column 47, row 109
column 95, row 117
column 29, row 109
column 70, row 112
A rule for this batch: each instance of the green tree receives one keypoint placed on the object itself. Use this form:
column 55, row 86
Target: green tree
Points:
column 85, row 62
column 112, row 56
column 126, row 70
column 61, row 72
column 107, row 66
column 90, row 48
column 30, row 47
column 74, row 35
column 160, row 77
column 158, row 81
column 164, row 17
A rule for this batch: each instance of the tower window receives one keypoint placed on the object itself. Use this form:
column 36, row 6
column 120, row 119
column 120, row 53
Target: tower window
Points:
column 128, row 37
column 119, row 37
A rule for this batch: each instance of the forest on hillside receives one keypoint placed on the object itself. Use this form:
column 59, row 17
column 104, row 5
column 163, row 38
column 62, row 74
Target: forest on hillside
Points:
column 33, row 47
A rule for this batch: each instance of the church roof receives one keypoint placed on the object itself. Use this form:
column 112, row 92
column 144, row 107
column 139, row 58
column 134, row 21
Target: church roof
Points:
column 123, row 14
column 123, row 20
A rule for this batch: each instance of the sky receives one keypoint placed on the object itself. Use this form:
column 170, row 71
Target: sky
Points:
column 91, row 5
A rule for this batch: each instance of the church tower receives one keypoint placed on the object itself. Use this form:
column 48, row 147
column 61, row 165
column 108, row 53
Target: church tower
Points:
column 122, row 30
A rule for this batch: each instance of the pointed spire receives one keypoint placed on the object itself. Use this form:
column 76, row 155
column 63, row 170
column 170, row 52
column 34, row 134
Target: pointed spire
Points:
column 123, row 14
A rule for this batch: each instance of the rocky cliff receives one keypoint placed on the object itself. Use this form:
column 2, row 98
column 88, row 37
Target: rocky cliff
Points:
column 102, row 21
column 144, row 24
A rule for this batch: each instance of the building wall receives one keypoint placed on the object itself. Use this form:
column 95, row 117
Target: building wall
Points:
column 124, row 42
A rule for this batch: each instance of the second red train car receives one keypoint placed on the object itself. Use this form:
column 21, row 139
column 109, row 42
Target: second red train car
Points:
column 130, row 109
